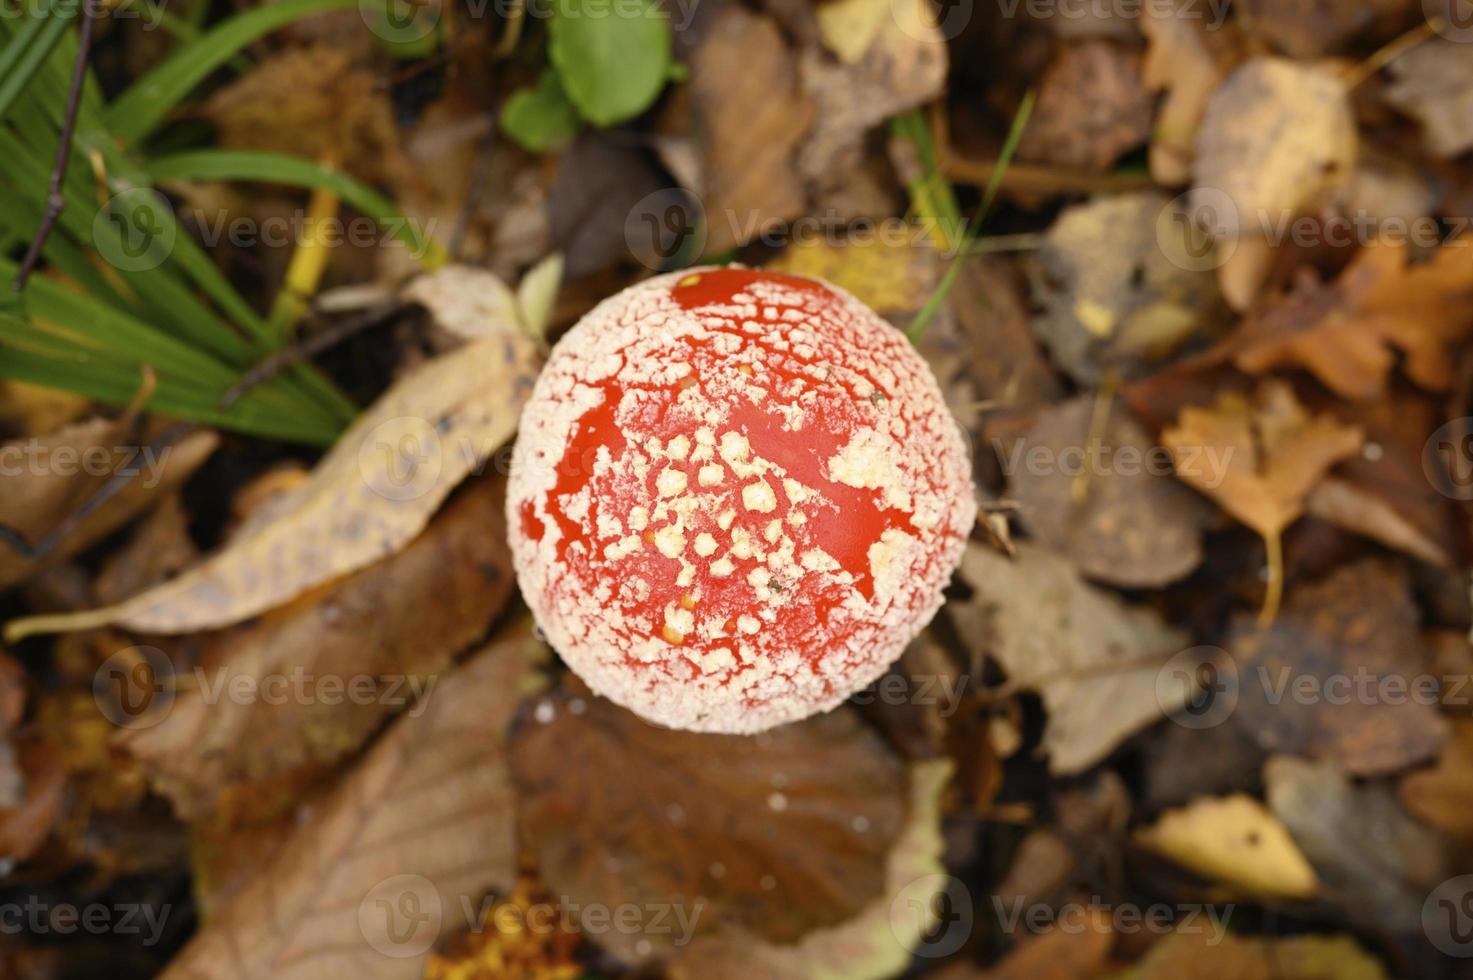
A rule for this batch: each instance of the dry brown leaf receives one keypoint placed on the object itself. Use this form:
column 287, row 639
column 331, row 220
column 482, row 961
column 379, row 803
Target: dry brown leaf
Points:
column 1313, row 28
column 903, row 67
column 751, row 114
column 1080, row 952
column 1197, row 952
column 1341, row 674
column 1276, row 135
column 1273, row 454
column 644, row 814
column 1434, row 83
column 1092, row 108
column 55, row 482
column 1235, row 840
column 1114, row 301
column 1442, row 795
column 1345, row 332
column 312, row 102
column 395, row 853
column 875, row 944
column 372, row 493
column 373, row 644
column 1093, row 658
column 1363, row 845
column 1134, row 526
column 1178, row 62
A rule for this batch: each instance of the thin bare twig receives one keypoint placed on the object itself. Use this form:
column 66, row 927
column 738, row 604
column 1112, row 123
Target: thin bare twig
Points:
column 55, row 199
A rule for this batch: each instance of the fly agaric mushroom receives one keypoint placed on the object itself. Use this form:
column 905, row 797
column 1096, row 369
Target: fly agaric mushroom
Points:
column 735, row 498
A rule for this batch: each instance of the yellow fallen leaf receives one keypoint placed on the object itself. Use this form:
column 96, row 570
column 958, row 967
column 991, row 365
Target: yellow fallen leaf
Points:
column 1259, row 460
column 372, row 493
column 889, row 278
column 849, row 27
column 1235, row 840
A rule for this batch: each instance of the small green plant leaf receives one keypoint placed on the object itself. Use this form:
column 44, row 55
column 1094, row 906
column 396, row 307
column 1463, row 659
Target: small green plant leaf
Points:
column 540, row 119
column 613, row 56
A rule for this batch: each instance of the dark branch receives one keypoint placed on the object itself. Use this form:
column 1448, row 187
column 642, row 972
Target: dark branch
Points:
column 55, row 200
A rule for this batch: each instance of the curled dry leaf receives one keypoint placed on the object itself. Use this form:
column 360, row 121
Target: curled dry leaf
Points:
column 1362, row 843
column 1200, row 952
column 1114, row 303
column 1105, row 500
column 1093, row 107
column 1272, row 454
column 644, row 814
column 876, row 943
column 1093, row 658
column 394, row 853
column 44, row 495
column 469, row 302
column 1345, row 332
column 1322, row 680
column 1276, row 135
column 372, row 493
column 1235, row 840
column 373, row 643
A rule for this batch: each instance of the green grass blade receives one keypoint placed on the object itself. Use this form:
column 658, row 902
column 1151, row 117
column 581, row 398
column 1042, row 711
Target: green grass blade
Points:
column 277, row 168
column 145, row 104
column 28, row 50
column 989, row 194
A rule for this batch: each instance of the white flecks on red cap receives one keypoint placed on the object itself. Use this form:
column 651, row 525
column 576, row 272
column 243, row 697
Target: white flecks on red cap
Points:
column 735, row 498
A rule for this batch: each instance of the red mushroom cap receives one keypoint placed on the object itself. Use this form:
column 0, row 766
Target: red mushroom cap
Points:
column 735, row 498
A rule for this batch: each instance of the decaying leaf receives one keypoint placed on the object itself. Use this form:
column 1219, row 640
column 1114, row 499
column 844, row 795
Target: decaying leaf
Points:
column 1273, row 454
column 876, row 943
column 1114, row 302
column 1092, row 108
column 1342, row 674
column 891, row 279
column 1235, row 840
column 1276, row 135
column 373, row 644
column 58, row 472
column 373, row 492
column 903, row 67
column 395, row 853
column 1105, row 501
column 1434, row 84
column 469, row 302
column 1093, row 658
column 752, row 114
column 645, row 814
column 312, row 102
column 1178, row 62
column 1198, row 952
column 1079, row 952
column 1442, row 796
column 1345, row 332
column 1359, row 840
